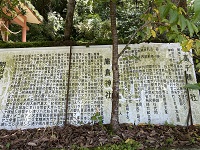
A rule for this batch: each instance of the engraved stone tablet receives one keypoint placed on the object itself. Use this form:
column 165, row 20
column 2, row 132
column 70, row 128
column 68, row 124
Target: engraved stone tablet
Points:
column 34, row 82
column 151, row 85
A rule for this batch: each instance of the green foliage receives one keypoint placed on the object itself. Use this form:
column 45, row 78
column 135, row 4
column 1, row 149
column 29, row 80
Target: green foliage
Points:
column 47, row 31
column 91, row 27
column 7, row 145
column 192, row 141
column 197, row 48
column 198, row 64
column 169, row 141
column 30, row 44
column 44, row 7
column 195, row 86
column 165, row 22
column 75, row 147
column 129, row 144
column 51, row 28
column 169, row 124
column 10, row 7
column 172, row 22
column 97, row 118
column 196, row 10
column 128, row 18
column 92, row 21
column 102, row 41
column 164, row 10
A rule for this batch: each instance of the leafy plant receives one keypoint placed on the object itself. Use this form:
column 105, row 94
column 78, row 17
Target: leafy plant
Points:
column 166, row 19
column 169, row 124
column 129, row 144
column 195, row 86
column 169, row 140
column 75, row 147
column 192, row 140
column 7, row 145
column 97, row 118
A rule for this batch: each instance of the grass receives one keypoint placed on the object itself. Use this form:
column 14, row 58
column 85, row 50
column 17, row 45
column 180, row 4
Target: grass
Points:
column 129, row 144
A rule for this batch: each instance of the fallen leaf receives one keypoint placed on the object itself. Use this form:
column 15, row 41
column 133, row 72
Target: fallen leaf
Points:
column 153, row 133
column 183, row 143
column 116, row 138
column 31, row 144
column 151, row 140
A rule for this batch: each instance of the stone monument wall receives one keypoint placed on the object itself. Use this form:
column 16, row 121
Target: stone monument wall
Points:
column 34, row 81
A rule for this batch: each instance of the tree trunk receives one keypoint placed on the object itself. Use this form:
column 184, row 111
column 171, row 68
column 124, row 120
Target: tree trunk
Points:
column 69, row 19
column 115, row 69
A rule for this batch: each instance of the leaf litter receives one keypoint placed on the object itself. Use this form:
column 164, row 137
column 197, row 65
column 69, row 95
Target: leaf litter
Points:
column 90, row 136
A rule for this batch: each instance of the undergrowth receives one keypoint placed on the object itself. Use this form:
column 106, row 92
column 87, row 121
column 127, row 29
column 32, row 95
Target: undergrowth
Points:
column 129, row 144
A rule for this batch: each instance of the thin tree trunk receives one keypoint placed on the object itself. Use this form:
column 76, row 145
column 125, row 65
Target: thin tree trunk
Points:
column 69, row 19
column 115, row 69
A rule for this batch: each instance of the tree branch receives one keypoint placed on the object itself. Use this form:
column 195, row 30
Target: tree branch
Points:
column 132, row 36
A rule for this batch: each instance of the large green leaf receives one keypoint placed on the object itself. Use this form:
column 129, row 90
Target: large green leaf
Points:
column 174, row 28
column 195, row 86
column 162, row 29
column 190, row 28
column 198, row 66
column 182, row 22
column 197, row 6
column 171, row 36
column 196, row 16
column 164, row 10
column 158, row 2
column 197, row 43
column 179, row 38
column 173, row 16
column 196, row 30
column 197, row 47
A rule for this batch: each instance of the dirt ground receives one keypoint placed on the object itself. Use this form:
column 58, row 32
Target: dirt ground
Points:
column 149, row 136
